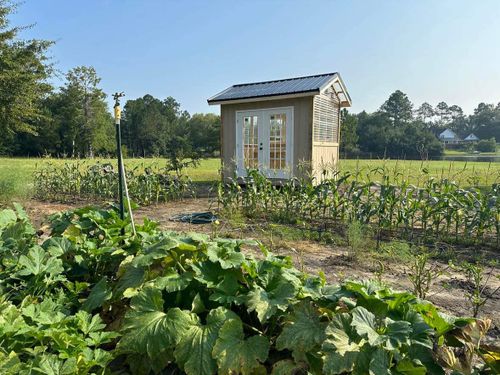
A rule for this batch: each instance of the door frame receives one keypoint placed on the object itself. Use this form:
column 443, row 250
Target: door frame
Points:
column 263, row 115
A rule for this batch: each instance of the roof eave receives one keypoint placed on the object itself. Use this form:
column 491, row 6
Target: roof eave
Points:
column 263, row 97
column 336, row 78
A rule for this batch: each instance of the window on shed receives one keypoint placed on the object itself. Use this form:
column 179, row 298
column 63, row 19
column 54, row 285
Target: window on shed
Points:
column 325, row 122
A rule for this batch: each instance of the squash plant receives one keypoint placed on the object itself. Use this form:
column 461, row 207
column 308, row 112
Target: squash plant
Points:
column 88, row 300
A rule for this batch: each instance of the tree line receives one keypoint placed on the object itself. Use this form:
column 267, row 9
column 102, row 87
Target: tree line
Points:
column 74, row 120
column 397, row 130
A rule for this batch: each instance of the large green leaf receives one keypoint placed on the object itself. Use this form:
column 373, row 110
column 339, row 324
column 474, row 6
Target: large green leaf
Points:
column 398, row 333
column 406, row 366
column 7, row 217
column 379, row 363
column 303, row 329
column 226, row 255
column 365, row 324
column 99, row 294
column 335, row 363
column 266, row 302
column 157, row 251
column 172, row 281
column 194, row 351
column 38, row 261
column 236, row 355
column 421, row 332
column 341, row 345
column 147, row 329
column 132, row 277
column 10, row 364
column 58, row 246
column 340, row 335
column 285, row 367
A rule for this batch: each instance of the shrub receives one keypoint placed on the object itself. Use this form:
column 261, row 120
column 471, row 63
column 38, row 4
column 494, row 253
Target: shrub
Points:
column 487, row 145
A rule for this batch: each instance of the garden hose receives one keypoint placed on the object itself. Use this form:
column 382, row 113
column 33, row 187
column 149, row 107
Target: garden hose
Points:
column 195, row 217
column 127, row 197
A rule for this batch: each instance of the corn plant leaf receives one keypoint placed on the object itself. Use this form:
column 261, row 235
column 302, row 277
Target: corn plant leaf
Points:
column 303, row 329
column 236, row 355
column 194, row 351
column 99, row 294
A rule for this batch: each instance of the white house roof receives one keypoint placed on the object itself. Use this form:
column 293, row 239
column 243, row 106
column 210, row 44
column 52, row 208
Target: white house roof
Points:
column 471, row 137
column 290, row 87
column 448, row 134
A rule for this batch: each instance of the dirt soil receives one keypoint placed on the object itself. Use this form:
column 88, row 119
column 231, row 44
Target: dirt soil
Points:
column 448, row 292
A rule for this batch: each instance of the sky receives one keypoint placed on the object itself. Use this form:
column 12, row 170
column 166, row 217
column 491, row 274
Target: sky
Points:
column 446, row 50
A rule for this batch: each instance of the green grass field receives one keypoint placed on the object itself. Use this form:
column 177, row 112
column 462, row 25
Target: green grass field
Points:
column 16, row 174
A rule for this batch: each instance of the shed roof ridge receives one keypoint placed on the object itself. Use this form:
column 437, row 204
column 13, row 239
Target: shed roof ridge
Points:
column 284, row 79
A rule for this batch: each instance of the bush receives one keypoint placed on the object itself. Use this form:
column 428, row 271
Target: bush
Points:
column 487, row 145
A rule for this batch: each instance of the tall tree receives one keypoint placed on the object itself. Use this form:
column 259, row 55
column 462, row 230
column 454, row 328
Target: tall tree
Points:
column 85, row 122
column 348, row 133
column 204, row 132
column 24, row 70
column 485, row 121
column 425, row 113
column 398, row 108
column 443, row 112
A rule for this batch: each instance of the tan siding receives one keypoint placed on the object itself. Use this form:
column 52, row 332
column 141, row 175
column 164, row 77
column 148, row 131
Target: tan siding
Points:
column 302, row 130
column 324, row 159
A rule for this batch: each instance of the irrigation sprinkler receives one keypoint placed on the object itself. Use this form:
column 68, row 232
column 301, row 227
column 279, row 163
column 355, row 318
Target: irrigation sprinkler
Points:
column 122, row 181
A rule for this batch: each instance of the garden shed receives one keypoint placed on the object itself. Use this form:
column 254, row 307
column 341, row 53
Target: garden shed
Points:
column 285, row 128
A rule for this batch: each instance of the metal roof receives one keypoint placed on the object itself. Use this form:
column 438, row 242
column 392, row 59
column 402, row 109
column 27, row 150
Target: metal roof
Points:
column 448, row 134
column 290, row 86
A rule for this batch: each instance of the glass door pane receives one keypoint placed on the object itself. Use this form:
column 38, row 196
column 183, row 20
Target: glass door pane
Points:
column 250, row 142
column 277, row 141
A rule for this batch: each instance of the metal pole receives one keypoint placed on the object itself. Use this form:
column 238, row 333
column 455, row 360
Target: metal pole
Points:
column 117, row 109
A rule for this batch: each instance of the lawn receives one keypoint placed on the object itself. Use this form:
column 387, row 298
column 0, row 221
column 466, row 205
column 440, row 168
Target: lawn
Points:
column 16, row 173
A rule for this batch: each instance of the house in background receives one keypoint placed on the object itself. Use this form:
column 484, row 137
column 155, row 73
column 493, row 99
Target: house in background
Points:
column 471, row 138
column 283, row 128
column 449, row 137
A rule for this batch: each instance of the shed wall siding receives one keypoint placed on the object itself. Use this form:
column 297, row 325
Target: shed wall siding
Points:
column 325, row 155
column 302, row 130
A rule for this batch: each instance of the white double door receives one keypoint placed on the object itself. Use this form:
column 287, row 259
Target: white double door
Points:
column 264, row 140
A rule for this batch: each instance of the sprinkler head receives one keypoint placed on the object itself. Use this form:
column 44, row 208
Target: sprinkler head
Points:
column 117, row 96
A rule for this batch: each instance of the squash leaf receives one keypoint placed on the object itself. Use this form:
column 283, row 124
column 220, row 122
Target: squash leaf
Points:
column 194, row 351
column 303, row 329
column 236, row 355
